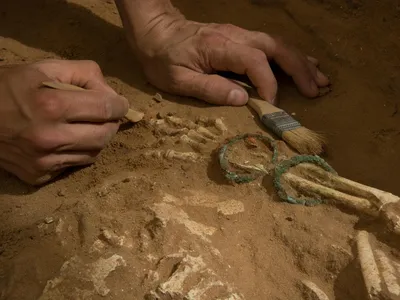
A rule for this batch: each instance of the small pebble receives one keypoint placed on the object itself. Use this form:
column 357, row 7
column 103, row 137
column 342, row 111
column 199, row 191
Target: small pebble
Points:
column 290, row 219
column 158, row 98
column 49, row 220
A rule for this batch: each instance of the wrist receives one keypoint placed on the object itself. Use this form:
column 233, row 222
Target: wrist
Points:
column 140, row 17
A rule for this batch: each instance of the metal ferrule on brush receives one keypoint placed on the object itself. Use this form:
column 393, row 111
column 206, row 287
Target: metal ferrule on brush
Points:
column 279, row 122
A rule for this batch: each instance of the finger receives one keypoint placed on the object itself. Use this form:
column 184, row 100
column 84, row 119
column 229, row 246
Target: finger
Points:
column 84, row 137
column 31, row 176
column 73, row 137
column 48, row 167
column 83, row 73
column 295, row 65
column 320, row 79
column 15, row 170
column 211, row 88
column 289, row 59
column 229, row 56
column 85, row 106
column 57, row 162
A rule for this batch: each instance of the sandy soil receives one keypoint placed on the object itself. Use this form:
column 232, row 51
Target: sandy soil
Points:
column 124, row 227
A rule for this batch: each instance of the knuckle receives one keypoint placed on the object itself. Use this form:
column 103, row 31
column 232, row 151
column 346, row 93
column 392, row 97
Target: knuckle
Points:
column 260, row 36
column 41, row 140
column 210, row 36
column 258, row 56
column 105, row 135
column 50, row 164
column 42, row 165
column 93, row 66
column 227, row 27
column 279, row 40
column 177, row 83
column 279, row 43
column 111, row 131
column 105, row 109
column 125, row 105
column 49, row 105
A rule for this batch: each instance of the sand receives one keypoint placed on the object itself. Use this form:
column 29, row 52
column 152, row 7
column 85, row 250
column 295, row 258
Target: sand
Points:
column 132, row 226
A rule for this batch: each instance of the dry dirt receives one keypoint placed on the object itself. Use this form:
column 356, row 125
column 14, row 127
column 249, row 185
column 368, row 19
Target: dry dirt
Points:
column 130, row 225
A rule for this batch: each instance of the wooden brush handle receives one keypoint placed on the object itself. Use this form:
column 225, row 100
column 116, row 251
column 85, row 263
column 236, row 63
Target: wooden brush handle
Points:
column 262, row 107
column 132, row 115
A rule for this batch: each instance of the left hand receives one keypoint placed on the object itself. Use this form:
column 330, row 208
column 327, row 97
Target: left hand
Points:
column 181, row 57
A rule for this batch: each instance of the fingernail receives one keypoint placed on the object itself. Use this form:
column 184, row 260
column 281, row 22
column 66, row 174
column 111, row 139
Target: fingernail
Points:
column 322, row 78
column 125, row 101
column 237, row 97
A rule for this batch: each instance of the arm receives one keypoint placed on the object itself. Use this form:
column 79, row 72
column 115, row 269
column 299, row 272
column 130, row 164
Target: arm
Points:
column 139, row 16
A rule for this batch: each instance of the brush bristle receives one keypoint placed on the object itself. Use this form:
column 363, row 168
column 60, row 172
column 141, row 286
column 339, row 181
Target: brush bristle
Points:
column 305, row 141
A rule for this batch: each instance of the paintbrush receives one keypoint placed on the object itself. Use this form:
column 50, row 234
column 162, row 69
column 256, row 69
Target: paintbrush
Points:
column 304, row 140
column 132, row 115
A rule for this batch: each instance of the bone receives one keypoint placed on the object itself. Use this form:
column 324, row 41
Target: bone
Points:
column 258, row 168
column 183, row 123
column 384, row 204
column 378, row 197
column 221, row 127
column 112, row 238
column 368, row 264
column 195, row 145
column 156, row 122
column 172, row 131
column 304, row 185
column 390, row 214
column 163, row 128
column 380, row 273
column 313, row 291
column 196, row 136
column 172, row 154
column 207, row 133
column 388, row 272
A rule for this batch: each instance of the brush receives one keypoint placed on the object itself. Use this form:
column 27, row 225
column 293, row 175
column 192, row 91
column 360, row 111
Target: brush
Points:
column 132, row 115
column 302, row 139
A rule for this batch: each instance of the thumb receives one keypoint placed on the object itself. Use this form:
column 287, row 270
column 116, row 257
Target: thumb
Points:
column 212, row 88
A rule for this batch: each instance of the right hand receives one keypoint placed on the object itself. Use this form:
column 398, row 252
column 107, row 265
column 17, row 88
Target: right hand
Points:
column 43, row 131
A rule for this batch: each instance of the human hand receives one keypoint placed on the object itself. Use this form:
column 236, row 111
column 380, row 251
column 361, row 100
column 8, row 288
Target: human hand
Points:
column 44, row 131
column 182, row 57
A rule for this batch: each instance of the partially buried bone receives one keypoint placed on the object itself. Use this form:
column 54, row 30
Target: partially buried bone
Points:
column 198, row 135
column 377, row 197
column 353, row 194
column 172, row 154
column 194, row 144
column 313, row 292
column 380, row 273
column 181, row 122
